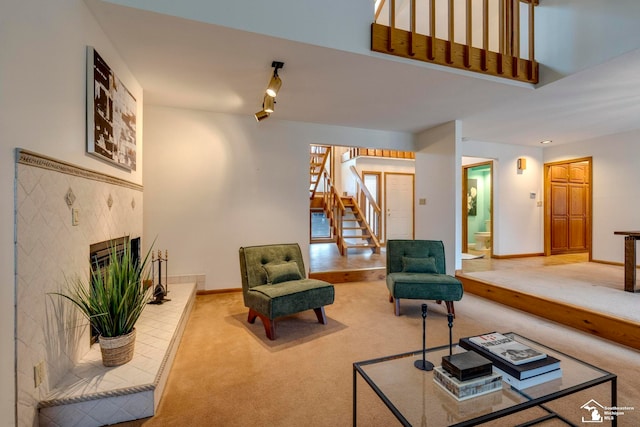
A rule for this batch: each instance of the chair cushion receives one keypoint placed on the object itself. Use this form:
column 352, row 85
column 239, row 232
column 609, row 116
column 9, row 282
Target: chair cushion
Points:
column 282, row 272
column 419, row 265
column 290, row 297
column 424, row 286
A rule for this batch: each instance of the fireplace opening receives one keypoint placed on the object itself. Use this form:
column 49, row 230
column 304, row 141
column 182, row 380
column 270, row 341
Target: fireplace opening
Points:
column 100, row 255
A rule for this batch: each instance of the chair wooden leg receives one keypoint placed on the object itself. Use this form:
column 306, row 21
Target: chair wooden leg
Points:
column 252, row 316
column 390, row 298
column 320, row 315
column 269, row 324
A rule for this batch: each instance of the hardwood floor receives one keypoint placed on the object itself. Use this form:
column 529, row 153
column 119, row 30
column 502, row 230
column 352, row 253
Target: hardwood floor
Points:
column 324, row 257
column 359, row 265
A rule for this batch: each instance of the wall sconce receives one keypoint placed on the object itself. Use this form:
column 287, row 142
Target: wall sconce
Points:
column 522, row 164
column 268, row 103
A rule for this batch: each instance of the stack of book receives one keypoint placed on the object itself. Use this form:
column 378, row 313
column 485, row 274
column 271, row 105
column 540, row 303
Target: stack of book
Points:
column 520, row 365
column 466, row 375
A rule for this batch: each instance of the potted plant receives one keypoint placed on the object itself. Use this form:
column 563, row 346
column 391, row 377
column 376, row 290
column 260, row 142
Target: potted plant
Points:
column 112, row 300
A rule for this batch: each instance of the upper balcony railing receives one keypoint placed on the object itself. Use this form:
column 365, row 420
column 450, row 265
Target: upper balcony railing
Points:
column 494, row 37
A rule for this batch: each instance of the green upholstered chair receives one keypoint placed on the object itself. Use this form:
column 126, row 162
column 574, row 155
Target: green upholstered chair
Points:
column 274, row 284
column 416, row 270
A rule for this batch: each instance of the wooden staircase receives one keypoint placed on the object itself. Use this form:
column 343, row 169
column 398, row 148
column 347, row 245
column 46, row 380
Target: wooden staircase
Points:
column 349, row 226
column 356, row 232
column 318, row 156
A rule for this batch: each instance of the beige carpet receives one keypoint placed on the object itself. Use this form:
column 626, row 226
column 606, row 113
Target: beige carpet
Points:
column 227, row 373
column 596, row 286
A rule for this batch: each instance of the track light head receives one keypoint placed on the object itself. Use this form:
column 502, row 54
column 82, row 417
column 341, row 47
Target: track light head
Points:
column 275, row 83
column 268, row 104
column 261, row 115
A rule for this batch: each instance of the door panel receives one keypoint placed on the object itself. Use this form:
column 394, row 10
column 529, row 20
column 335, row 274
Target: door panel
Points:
column 577, row 217
column 559, row 235
column 399, row 206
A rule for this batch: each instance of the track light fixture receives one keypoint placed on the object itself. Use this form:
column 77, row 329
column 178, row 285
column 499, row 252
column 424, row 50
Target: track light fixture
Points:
column 269, row 101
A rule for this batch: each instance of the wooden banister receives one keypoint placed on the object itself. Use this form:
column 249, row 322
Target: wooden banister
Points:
column 368, row 205
column 498, row 54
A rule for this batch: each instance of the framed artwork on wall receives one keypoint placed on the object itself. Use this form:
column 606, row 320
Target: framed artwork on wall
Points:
column 472, row 197
column 111, row 115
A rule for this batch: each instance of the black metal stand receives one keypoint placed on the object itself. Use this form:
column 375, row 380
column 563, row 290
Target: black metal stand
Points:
column 423, row 364
column 450, row 318
column 160, row 291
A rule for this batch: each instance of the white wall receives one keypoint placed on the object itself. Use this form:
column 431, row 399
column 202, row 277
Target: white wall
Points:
column 42, row 100
column 438, row 182
column 216, row 182
column 616, row 176
column 338, row 24
column 518, row 223
column 572, row 35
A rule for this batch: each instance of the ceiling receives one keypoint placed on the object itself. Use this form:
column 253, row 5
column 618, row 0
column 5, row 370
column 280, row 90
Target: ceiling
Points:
column 188, row 64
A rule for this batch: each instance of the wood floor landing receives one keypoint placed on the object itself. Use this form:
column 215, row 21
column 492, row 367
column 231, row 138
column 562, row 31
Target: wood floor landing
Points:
column 327, row 264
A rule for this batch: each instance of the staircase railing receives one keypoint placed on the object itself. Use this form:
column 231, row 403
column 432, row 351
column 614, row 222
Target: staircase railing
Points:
column 482, row 36
column 333, row 208
column 318, row 173
column 368, row 206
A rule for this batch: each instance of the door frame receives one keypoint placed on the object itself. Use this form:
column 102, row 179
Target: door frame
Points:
column 413, row 202
column 547, row 205
column 465, row 216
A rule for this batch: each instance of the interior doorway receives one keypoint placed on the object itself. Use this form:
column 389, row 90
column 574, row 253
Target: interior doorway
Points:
column 568, row 212
column 477, row 193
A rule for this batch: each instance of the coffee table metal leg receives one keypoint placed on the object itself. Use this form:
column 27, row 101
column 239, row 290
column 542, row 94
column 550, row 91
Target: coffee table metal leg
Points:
column 355, row 413
column 614, row 399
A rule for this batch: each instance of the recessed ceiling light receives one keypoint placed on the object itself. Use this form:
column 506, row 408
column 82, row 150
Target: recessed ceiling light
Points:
column 546, row 141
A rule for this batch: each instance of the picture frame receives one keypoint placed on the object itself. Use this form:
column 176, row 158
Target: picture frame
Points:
column 472, row 197
column 111, row 115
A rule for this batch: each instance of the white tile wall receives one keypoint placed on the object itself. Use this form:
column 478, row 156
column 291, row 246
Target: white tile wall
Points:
column 49, row 250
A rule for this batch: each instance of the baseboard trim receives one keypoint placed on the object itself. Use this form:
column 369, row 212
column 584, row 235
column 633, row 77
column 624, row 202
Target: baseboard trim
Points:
column 517, row 255
column 621, row 331
column 345, row 276
column 218, row 291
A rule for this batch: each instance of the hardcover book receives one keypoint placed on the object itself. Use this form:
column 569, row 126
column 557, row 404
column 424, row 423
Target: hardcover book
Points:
column 507, row 348
column 467, row 365
column 531, row 381
column 519, row 372
column 462, row 390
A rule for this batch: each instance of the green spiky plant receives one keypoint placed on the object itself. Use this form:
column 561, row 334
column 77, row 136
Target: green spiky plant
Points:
column 115, row 297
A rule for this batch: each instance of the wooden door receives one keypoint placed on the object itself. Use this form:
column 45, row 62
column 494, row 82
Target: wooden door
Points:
column 569, row 213
column 399, row 188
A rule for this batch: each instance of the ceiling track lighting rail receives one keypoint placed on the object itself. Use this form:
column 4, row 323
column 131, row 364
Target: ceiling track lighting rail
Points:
column 269, row 100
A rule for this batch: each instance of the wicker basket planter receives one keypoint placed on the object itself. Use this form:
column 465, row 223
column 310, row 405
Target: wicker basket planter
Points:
column 117, row 351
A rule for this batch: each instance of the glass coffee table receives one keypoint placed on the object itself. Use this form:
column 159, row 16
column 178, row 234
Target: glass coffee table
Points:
column 415, row 399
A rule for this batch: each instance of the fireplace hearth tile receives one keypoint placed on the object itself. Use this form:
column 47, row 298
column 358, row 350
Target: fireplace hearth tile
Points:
column 93, row 395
